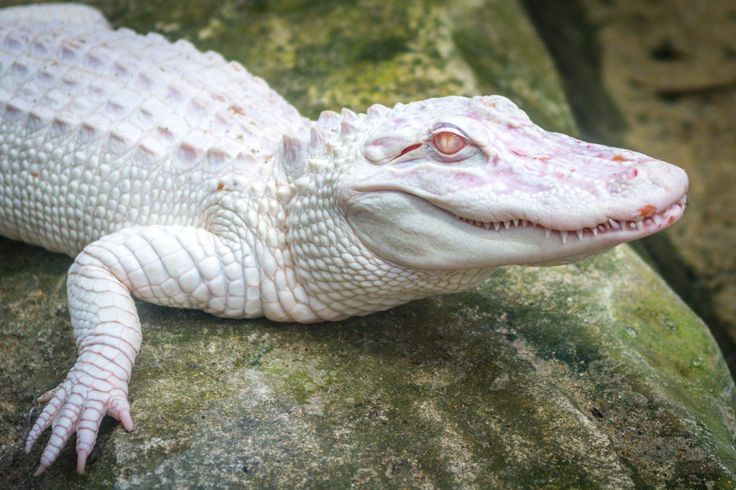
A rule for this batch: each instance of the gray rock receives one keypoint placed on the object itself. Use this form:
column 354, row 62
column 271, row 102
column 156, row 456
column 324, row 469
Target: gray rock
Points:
column 590, row 375
column 667, row 90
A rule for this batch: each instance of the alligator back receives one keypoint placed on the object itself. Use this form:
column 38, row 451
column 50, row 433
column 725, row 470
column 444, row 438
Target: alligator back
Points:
column 103, row 129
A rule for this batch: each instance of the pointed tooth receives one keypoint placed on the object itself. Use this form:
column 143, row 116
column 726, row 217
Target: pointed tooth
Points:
column 516, row 222
column 614, row 224
column 595, row 231
column 487, row 226
column 563, row 235
column 580, row 235
column 507, row 224
column 497, row 225
column 547, row 233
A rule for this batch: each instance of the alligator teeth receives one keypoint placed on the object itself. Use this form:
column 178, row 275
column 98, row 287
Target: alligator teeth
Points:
column 656, row 220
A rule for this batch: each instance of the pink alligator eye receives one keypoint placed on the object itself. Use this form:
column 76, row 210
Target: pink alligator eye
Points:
column 448, row 143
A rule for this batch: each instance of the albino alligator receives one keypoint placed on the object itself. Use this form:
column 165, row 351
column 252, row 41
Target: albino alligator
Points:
column 178, row 178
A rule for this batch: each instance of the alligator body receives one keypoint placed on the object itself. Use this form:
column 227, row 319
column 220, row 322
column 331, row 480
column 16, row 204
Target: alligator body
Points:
column 178, row 178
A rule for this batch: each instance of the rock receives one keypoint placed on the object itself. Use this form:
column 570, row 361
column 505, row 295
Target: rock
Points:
column 590, row 375
column 669, row 90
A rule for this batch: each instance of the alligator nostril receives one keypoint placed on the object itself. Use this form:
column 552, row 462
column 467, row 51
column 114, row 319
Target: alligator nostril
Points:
column 631, row 173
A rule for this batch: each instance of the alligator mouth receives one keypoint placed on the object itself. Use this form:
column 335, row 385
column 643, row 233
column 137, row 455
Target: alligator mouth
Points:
column 650, row 222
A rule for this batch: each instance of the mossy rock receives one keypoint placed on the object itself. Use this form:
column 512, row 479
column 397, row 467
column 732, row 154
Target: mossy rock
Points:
column 590, row 375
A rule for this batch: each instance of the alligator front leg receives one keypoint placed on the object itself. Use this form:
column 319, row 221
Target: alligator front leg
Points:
column 169, row 265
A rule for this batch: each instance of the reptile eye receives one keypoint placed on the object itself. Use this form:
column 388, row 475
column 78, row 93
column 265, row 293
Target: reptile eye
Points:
column 448, row 143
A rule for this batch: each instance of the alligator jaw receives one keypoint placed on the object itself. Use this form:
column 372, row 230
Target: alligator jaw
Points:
column 652, row 222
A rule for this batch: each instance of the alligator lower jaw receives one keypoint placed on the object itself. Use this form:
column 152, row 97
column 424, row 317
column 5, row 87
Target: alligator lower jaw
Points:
column 645, row 225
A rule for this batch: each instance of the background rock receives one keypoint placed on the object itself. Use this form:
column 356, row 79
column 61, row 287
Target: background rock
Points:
column 660, row 77
column 593, row 374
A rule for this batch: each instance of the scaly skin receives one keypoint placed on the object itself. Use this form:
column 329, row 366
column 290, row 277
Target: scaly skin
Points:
column 178, row 178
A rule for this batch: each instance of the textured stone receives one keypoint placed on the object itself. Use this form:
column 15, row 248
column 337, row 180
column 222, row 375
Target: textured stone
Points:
column 593, row 374
column 660, row 77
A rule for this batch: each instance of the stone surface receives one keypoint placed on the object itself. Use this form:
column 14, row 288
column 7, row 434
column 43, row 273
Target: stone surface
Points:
column 590, row 375
column 665, row 85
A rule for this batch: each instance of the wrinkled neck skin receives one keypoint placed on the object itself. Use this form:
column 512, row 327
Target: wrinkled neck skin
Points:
column 339, row 271
column 431, row 197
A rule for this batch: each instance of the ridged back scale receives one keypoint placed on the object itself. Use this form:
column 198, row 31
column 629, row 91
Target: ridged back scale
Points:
column 103, row 129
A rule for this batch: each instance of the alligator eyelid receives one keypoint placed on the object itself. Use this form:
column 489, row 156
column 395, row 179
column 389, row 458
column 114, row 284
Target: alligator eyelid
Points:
column 444, row 126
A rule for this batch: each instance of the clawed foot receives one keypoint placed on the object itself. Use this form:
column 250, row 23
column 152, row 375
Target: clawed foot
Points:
column 79, row 405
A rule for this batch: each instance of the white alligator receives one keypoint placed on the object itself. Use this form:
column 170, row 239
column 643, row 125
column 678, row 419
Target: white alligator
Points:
column 179, row 178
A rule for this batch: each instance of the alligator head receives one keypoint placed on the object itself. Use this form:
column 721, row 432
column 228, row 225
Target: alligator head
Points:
column 455, row 183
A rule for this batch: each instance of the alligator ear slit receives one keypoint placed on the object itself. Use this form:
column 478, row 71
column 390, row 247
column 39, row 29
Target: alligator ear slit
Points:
column 408, row 149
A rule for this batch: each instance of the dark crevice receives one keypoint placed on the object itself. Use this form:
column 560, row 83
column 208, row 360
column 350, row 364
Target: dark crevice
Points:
column 675, row 94
column 573, row 43
column 666, row 51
